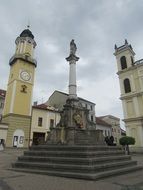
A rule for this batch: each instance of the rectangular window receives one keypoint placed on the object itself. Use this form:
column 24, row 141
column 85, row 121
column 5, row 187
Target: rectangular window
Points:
column 91, row 117
column 51, row 122
column 21, row 140
column 91, row 108
column 1, row 105
column 40, row 119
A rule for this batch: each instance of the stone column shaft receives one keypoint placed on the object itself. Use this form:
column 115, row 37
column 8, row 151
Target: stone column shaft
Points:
column 72, row 80
column 72, row 76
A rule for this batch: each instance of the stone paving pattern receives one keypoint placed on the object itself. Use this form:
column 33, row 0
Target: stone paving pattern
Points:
column 10, row 180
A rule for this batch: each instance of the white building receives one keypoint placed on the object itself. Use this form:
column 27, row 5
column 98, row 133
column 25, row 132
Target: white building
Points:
column 104, row 126
column 115, row 123
column 58, row 99
column 43, row 117
column 130, row 73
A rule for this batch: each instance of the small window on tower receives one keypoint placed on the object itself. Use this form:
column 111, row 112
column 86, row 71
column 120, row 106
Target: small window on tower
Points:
column 123, row 62
column 24, row 88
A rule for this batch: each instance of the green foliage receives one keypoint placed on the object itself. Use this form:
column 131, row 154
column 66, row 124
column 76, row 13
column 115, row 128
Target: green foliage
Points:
column 127, row 140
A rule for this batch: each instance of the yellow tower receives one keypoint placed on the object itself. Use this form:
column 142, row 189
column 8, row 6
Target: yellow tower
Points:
column 17, row 109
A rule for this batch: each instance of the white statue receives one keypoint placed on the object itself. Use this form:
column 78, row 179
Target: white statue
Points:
column 73, row 48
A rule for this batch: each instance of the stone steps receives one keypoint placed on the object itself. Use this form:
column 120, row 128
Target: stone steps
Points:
column 79, row 161
column 79, row 175
column 70, row 153
column 94, row 168
column 84, row 162
column 75, row 148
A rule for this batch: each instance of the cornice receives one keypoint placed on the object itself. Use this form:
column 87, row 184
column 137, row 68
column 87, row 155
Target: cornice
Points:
column 127, row 96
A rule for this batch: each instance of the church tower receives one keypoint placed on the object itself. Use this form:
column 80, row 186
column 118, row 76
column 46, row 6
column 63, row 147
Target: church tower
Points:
column 17, row 109
column 130, row 74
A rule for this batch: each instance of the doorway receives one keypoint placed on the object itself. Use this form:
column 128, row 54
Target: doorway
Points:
column 18, row 138
column 38, row 138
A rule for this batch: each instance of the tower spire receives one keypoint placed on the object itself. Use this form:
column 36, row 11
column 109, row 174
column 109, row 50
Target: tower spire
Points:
column 28, row 24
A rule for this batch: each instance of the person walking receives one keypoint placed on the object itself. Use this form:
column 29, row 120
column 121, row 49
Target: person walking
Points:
column 1, row 145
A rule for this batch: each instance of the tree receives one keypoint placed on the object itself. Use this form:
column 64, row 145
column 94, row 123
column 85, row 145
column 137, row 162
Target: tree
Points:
column 126, row 141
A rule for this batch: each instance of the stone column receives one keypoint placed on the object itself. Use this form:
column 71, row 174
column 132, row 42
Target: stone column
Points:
column 72, row 59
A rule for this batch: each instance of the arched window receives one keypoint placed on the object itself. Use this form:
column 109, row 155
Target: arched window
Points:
column 127, row 85
column 123, row 62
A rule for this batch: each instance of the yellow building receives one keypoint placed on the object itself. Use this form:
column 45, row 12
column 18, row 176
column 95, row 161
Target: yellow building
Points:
column 17, row 109
column 130, row 74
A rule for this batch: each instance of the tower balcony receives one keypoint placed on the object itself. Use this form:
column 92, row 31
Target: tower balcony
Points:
column 24, row 57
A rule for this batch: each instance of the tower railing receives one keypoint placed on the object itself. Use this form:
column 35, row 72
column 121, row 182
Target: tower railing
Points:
column 24, row 57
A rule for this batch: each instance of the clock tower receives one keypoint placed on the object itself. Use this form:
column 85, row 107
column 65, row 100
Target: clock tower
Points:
column 17, row 109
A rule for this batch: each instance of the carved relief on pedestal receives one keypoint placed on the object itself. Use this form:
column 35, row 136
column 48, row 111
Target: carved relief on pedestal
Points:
column 78, row 120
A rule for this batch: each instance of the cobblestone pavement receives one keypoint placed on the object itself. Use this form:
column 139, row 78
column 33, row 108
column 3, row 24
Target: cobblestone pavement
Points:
column 10, row 180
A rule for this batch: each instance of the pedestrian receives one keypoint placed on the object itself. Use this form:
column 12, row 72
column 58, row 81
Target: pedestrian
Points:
column 112, row 140
column 1, row 145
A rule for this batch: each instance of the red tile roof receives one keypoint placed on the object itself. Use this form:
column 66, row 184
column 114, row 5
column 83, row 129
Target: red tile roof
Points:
column 102, row 122
column 45, row 107
column 2, row 93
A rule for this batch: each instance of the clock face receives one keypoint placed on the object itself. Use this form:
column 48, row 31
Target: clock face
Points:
column 25, row 75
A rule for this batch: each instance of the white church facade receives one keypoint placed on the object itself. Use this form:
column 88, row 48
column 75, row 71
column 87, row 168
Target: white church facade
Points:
column 130, row 74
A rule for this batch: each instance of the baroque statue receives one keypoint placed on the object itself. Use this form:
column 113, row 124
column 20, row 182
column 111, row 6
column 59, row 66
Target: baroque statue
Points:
column 73, row 48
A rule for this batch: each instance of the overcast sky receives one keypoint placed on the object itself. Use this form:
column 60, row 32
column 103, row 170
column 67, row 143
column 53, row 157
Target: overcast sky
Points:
column 96, row 25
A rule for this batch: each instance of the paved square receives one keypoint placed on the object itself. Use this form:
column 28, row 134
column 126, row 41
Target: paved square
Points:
column 10, row 180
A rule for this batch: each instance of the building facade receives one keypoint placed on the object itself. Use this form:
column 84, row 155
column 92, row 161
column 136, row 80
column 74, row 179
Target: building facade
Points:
column 43, row 118
column 2, row 99
column 130, row 74
column 104, row 126
column 115, row 125
column 58, row 99
column 18, row 101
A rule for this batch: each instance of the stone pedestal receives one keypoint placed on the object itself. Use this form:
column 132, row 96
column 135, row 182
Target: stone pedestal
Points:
column 75, row 128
